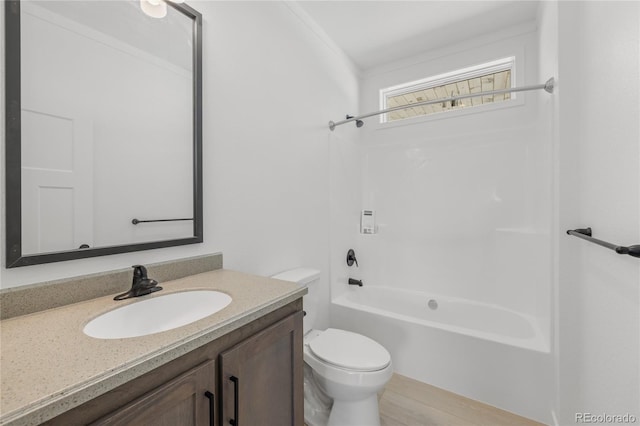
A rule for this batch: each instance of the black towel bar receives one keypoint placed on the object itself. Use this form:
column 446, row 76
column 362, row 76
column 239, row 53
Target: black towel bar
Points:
column 137, row 221
column 585, row 234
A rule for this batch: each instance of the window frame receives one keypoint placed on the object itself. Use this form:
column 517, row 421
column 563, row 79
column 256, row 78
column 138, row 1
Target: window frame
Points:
column 499, row 65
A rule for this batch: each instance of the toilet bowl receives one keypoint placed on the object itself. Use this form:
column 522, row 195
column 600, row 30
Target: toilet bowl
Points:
column 343, row 370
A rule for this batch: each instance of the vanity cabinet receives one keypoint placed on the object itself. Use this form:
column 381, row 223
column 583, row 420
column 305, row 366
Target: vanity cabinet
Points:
column 261, row 378
column 265, row 357
column 186, row 400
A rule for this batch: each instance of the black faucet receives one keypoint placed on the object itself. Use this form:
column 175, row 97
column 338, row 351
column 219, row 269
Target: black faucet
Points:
column 141, row 284
column 353, row 281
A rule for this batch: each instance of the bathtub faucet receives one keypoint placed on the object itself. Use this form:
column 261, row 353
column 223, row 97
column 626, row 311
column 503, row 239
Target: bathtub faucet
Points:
column 355, row 282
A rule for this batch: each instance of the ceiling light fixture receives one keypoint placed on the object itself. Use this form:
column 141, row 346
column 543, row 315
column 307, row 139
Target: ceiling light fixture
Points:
column 156, row 8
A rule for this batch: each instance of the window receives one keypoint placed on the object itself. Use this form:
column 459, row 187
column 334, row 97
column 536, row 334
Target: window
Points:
column 490, row 76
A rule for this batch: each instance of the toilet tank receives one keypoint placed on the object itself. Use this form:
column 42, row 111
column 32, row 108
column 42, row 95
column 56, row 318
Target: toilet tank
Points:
column 305, row 277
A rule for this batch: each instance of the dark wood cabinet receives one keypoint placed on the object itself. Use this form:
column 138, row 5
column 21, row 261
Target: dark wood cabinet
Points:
column 186, row 401
column 262, row 378
column 265, row 356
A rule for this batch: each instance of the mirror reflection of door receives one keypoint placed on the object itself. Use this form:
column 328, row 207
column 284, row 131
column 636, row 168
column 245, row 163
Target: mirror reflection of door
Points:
column 107, row 117
column 57, row 181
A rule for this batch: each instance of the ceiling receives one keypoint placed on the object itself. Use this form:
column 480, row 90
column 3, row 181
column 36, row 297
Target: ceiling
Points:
column 373, row 33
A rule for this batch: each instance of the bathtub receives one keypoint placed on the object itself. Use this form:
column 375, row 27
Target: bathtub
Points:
column 481, row 351
column 490, row 322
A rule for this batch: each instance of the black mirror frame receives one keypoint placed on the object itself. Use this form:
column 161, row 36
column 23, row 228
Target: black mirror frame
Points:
column 13, row 204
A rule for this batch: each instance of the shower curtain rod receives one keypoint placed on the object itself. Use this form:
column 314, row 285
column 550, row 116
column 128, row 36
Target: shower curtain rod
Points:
column 547, row 86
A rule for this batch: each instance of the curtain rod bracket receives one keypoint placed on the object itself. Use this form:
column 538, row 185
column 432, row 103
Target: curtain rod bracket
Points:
column 549, row 85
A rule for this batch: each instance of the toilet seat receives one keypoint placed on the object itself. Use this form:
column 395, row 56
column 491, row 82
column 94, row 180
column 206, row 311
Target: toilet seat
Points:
column 350, row 351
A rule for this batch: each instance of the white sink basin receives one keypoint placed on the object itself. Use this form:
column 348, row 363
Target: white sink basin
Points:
column 158, row 314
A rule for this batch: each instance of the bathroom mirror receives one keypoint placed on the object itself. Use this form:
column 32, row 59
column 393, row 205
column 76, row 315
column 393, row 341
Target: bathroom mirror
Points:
column 103, row 129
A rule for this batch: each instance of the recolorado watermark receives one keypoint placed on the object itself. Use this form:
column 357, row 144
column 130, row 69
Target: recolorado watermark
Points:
column 605, row 418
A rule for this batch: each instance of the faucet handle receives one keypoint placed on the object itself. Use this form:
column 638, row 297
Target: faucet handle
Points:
column 351, row 258
column 139, row 272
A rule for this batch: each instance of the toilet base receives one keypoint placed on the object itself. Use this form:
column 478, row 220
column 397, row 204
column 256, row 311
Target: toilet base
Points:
column 355, row 413
column 317, row 405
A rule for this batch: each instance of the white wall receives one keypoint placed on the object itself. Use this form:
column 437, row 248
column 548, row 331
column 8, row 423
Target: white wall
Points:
column 274, row 86
column 599, row 169
column 463, row 199
column 271, row 84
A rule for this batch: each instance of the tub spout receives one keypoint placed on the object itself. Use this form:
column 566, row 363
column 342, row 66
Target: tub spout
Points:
column 355, row 282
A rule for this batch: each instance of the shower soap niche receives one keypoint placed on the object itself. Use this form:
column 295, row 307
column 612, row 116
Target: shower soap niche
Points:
column 368, row 222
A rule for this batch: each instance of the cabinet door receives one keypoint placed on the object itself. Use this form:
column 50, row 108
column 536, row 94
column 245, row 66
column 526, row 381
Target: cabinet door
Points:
column 185, row 400
column 261, row 377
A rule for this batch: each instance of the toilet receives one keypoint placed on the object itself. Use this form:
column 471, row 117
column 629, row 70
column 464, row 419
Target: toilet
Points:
column 343, row 370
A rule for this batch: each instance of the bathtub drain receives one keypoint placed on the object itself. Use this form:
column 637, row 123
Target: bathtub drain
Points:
column 432, row 304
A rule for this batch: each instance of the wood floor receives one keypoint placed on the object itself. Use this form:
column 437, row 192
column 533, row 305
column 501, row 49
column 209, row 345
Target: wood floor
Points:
column 407, row 402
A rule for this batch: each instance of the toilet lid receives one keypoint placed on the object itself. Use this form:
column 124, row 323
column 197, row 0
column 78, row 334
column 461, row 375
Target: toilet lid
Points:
column 350, row 350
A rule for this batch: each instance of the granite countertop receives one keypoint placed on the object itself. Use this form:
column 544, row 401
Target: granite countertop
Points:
column 48, row 365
